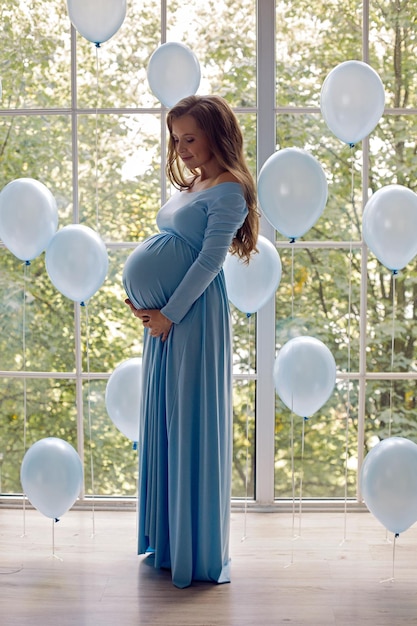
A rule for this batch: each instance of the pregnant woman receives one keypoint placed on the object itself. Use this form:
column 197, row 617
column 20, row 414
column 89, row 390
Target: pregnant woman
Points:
column 175, row 285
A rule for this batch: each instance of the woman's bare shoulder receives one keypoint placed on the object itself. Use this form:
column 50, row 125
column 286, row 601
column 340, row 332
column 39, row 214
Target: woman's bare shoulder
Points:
column 226, row 177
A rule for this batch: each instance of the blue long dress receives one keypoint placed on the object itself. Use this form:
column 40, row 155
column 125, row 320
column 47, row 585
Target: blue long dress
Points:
column 186, row 415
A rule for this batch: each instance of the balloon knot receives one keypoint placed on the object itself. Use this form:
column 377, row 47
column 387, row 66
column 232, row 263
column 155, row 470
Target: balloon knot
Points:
column 248, row 315
column 397, row 535
column 135, row 445
column 394, row 272
column 292, row 239
column 351, row 145
column 27, row 262
column 82, row 303
column 97, row 44
column 56, row 520
column 306, row 419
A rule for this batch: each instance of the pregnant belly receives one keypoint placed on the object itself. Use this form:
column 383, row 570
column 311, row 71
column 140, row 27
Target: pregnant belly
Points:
column 155, row 268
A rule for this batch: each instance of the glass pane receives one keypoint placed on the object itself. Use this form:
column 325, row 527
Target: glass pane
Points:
column 341, row 218
column 244, row 342
column 392, row 152
column 114, row 75
column 312, row 38
column 119, row 175
column 393, row 50
column 50, row 412
column 248, row 124
column 243, row 469
column 391, row 335
column 223, row 37
column 390, row 411
column 39, row 147
column 313, row 299
column 37, row 335
column 35, row 65
column 317, row 457
column 111, row 460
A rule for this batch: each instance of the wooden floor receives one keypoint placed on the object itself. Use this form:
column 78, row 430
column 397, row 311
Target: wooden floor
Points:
column 84, row 571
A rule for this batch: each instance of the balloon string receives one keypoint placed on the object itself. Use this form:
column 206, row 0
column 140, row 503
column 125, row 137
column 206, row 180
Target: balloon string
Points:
column 292, row 281
column 293, row 536
column 390, row 580
column 292, row 471
column 96, row 139
column 391, row 391
column 394, row 275
column 55, row 556
column 85, row 306
column 25, row 277
column 396, row 535
column 301, row 476
column 247, row 431
column 349, row 331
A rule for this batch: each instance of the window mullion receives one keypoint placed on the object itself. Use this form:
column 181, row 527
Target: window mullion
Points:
column 364, row 274
column 265, row 333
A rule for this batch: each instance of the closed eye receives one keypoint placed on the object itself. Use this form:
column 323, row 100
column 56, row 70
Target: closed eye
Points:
column 186, row 139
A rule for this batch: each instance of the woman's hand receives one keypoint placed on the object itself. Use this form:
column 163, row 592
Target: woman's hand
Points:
column 158, row 324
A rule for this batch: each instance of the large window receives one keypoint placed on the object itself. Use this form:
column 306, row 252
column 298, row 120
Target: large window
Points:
column 83, row 121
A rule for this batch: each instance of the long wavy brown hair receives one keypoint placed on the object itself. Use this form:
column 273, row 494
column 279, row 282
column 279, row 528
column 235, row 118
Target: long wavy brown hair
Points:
column 215, row 117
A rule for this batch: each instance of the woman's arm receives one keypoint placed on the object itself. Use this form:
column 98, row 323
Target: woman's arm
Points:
column 225, row 215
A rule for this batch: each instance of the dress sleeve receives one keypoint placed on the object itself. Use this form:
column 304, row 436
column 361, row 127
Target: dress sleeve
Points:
column 224, row 217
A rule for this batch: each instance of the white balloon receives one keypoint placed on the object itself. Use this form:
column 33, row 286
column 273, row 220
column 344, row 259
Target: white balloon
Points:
column 97, row 20
column 77, row 262
column 52, row 476
column 123, row 397
column 250, row 285
column 173, row 73
column 388, row 482
column 304, row 375
column 28, row 217
column 292, row 191
column 352, row 100
column 389, row 225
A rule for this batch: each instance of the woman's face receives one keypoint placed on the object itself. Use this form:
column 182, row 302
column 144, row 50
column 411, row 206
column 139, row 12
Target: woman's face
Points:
column 191, row 143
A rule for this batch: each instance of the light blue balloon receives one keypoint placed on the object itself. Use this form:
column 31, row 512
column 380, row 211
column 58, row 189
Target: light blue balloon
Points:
column 123, row 397
column 352, row 100
column 388, row 481
column 304, row 375
column 250, row 285
column 173, row 73
column 389, row 225
column 28, row 217
column 292, row 191
column 52, row 476
column 77, row 262
column 97, row 21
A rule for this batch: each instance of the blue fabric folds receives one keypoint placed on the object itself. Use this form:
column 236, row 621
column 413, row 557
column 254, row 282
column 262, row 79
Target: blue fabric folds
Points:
column 186, row 413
